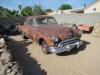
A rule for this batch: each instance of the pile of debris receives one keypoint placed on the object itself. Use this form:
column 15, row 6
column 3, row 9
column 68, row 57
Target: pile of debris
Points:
column 7, row 65
column 96, row 30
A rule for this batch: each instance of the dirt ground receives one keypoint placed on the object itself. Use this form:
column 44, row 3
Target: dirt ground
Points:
column 83, row 61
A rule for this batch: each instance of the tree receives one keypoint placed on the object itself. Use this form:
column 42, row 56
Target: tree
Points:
column 27, row 11
column 15, row 13
column 65, row 6
column 20, row 8
column 48, row 10
column 4, row 12
column 38, row 10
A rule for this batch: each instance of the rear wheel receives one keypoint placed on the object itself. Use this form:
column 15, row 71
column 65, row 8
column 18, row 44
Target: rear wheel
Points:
column 45, row 48
column 24, row 36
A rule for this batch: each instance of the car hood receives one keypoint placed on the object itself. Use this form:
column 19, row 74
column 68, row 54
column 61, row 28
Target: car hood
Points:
column 55, row 30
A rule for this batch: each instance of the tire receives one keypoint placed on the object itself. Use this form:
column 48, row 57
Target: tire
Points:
column 25, row 37
column 45, row 48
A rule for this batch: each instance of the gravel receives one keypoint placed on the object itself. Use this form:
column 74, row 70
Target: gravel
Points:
column 83, row 61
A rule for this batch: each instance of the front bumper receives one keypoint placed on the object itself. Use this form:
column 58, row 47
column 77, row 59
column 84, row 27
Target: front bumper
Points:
column 67, row 47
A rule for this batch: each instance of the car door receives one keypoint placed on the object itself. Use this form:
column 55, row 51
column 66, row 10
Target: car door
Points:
column 30, row 29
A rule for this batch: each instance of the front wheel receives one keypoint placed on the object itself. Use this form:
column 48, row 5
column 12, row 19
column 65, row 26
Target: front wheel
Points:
column 45, row 48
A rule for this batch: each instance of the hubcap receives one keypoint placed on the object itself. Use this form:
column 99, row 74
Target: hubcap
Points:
column 45, row 48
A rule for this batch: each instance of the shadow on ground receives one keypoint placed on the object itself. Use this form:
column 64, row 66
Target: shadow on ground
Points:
column 20, row 53
column 75, row 51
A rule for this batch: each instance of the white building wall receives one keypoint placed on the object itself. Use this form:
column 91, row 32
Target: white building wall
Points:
column 94, row 8
column 80, row 18
column 61, row 12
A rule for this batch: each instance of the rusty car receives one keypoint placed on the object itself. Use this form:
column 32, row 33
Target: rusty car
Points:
column 52, row 37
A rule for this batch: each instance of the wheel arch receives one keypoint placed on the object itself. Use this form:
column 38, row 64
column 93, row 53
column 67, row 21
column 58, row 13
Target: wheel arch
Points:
column 40, row 40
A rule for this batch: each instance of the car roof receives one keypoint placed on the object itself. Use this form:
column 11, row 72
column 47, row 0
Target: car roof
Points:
column 39, row 16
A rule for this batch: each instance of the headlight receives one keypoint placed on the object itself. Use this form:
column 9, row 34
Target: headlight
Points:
column 68, row 46
column 55, row 39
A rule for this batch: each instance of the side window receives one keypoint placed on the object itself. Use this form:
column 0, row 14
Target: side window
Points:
column 34, row 22
column 30, row 22
column 51, row 20
column 26, row 22
column 42, row 21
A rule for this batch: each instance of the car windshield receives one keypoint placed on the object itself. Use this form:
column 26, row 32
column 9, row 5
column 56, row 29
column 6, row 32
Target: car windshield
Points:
column 46, row 20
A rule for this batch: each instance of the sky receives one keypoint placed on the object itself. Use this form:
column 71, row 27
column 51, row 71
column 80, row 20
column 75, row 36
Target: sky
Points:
column 52, row 4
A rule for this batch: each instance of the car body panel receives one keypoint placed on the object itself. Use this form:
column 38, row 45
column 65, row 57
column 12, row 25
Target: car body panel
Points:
column 47, row 31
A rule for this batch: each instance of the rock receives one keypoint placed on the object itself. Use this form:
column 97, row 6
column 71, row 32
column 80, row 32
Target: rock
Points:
column 11, row 68
column 2, row 40
column 5, row 57
column 7, row 66
column 16, row 69
column 4, row 69
column 2, row 44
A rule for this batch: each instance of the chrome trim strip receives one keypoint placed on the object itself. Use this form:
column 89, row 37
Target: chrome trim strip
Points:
column 67, row 41
column 65, row 48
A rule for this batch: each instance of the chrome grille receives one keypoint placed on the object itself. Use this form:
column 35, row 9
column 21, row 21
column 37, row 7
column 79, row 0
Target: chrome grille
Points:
column 66, row 42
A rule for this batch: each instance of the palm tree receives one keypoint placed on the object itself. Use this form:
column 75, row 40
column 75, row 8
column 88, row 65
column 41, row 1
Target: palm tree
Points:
column 20, row 8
